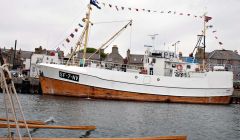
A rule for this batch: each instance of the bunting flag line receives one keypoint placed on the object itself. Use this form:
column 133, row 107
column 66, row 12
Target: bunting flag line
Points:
column 170, row 12
column 72, row 34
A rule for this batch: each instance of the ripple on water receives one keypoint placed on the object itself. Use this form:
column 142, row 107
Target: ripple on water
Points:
column 131, row 119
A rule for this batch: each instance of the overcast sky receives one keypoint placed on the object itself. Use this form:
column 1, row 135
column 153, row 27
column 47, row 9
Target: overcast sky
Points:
column 48, row 23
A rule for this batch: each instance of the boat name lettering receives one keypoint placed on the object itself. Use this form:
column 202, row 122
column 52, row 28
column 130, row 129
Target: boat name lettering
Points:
column 69, row 76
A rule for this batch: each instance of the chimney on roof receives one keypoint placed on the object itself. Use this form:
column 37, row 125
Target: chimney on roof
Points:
column 115, row 49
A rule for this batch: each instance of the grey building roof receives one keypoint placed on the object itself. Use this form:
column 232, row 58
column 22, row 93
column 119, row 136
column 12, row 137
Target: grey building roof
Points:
column 26, row 54
column 136, row 59
column 94, row 57
column 224, row 55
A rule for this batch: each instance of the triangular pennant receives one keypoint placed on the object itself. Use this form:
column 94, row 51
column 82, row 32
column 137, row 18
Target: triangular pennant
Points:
column 116, row 7
column 80, row 25
column 72, row 35
column 67, row 40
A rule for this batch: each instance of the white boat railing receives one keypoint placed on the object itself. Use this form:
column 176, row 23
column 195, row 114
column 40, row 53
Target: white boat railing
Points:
column 105, row 65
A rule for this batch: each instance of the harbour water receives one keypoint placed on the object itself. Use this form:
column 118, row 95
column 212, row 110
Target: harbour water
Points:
column 131, row 119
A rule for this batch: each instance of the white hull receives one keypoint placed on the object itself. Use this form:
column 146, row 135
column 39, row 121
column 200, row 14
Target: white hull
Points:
column 212, row 84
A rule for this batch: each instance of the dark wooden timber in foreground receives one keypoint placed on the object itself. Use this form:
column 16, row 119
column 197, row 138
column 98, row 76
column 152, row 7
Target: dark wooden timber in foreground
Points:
column 144, row 138
column 28, row 122
column 4, row 125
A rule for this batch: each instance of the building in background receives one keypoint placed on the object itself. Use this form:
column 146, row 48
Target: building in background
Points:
column 134, row 59
column 114, row 56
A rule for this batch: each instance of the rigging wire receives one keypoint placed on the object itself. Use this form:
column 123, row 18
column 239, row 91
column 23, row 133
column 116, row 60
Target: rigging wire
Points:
column 130, row 43
column 106, row 22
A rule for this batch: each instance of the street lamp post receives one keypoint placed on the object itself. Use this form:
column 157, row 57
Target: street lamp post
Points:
column 175, row 45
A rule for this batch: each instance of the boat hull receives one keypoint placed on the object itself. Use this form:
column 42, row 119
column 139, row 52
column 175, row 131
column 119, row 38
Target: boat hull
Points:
column 59, row 87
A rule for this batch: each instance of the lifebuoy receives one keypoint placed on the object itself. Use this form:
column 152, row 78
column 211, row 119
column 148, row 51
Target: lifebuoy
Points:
column 179, row 67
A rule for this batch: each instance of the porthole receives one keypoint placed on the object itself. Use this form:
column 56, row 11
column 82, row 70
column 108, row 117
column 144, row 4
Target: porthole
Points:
column 158, row 79
column 136, row 77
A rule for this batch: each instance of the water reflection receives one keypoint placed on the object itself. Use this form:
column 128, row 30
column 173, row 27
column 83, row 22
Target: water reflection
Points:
column 131, row 119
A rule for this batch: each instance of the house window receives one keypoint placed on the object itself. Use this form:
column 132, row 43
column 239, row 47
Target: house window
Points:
column 153, row 60
column 219, row 61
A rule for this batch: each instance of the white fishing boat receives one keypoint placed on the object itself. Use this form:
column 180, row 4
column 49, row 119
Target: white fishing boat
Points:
column 163, row 78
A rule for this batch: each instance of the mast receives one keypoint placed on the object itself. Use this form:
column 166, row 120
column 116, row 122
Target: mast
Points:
column 84, row 36
column 87, row 23
column 205, row 20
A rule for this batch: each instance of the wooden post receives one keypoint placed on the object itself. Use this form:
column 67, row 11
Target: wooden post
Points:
column 3, row 125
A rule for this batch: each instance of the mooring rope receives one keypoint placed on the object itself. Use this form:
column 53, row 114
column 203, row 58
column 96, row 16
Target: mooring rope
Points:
column 9, row 92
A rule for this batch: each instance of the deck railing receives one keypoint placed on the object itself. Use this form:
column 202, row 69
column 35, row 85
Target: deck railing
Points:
column 104, row 65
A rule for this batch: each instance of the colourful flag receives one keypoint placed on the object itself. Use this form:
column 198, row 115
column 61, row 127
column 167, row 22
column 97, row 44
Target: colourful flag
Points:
column 80, row 25
column 95, row 3
column 206, row 18
column 58, row 49
column 67, row 40
column 72, row 35
column 116, row 7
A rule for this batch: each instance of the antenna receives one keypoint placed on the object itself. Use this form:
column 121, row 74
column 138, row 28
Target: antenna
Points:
column 153, row 37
